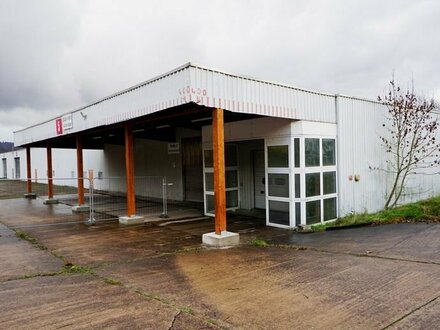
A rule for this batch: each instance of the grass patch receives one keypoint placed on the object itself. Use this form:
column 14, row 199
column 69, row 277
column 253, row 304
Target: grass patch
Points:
column 186, row 310
column 75, row 269
column 259, row 243
column 30, row 239
column 112, row 281
column 424, row 211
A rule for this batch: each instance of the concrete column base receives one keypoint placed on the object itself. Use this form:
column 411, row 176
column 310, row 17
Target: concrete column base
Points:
column 132, row 220
column 51, row 201
column 30, row 195
column 80, row 208
column 225, row 239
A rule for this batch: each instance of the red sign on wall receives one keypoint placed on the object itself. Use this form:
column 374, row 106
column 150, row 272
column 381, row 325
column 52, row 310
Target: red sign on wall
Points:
column 59, row 124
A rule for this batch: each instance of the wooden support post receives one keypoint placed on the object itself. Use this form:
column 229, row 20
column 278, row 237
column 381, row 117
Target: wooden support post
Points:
column 49, row 172
column 129, row 170
column 80, row 169
column 28, row 170
column 218, row 144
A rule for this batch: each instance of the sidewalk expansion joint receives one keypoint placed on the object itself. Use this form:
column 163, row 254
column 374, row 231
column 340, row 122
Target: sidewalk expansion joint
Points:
column 411, row 312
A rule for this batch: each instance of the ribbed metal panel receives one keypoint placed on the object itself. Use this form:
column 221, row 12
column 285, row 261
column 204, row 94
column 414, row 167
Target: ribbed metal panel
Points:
column 151, row 96
column 203, row 86
column 361, row 153
column 246, row 95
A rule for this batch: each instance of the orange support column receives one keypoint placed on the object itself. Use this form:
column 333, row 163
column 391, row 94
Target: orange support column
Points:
column 129, row 170
column 220, row 237
column 131, row 218
column 50, row 199
column 218, row 145
column 80, row 169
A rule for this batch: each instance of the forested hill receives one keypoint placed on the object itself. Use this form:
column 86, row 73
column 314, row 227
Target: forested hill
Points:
column 6, row 146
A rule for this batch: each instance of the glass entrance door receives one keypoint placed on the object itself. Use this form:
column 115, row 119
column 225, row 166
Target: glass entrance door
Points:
column 278, row 183
column 231, row 178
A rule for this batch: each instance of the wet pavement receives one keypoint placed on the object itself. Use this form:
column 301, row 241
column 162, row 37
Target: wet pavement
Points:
column 150, row 276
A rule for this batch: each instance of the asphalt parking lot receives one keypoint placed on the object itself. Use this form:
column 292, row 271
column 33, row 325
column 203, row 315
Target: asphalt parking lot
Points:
column 153, row 277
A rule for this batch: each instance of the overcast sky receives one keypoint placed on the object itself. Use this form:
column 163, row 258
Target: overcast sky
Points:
column 57, row 55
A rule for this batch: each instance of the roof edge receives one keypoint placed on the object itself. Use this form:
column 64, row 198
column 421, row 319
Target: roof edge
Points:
column 129, row 89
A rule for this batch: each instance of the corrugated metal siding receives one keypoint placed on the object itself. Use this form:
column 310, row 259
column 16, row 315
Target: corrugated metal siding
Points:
column 361, row 152
column 246, row 95
column 359, row 127
column 203, row 86
column 152, row 96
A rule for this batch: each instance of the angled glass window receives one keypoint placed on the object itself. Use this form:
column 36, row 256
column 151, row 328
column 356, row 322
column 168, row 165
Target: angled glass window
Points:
column 297, row 152
column 329, row 209
column 278, row 156
column 328, row 152
column 312, row 153
column 313, row 184
column 279, row 213
column 313, row 212
column 329, row 182
column 278, row 185
column 297, row 186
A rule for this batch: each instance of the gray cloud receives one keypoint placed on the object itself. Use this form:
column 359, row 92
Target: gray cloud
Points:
column 59, row 55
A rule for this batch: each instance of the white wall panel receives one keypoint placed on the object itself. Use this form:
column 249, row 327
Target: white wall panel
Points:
column 360, row 152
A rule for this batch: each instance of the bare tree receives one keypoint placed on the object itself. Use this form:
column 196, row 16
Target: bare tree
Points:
column 412, row 124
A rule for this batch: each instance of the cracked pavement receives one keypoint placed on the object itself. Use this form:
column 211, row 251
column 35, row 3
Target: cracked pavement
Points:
column 382, row 277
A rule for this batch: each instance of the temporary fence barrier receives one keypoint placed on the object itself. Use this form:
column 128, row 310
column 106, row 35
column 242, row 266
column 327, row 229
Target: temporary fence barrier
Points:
column 104, row 197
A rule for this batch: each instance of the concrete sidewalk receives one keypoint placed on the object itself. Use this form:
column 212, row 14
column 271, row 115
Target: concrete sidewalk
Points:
column 149, row 276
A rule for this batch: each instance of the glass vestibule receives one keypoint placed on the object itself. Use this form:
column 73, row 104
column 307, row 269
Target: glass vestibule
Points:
column 301, row 181
column 320, row 185
column 278, row 178
column 231, row 179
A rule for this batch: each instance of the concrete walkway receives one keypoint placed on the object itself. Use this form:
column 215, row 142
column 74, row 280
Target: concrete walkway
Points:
column 149, row 276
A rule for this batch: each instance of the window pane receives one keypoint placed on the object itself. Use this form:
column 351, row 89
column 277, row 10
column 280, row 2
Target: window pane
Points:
column 210, row 204
column 312, row 152
column 278, row 156
column 209, row 160
column 278, row 185
column 231, row 178
column 329, row 209
column 329, row 182
column 279, row 213
column 313, row 212
column 231, row 199
column 209, row 181
column 328, row 152
column 297, row 214
column 297, row 152
column 297, row 186
column 313, row 184
column 231, row 155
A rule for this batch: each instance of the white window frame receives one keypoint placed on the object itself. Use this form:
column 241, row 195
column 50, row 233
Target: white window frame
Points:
column 211, row 170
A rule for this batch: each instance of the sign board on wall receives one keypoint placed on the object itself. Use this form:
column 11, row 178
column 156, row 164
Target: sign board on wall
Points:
column 64, row 123
column 59, row 126
column 173, row 148
column 67, row 121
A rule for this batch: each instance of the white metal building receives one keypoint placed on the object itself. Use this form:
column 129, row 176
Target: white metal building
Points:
column 303, row 156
